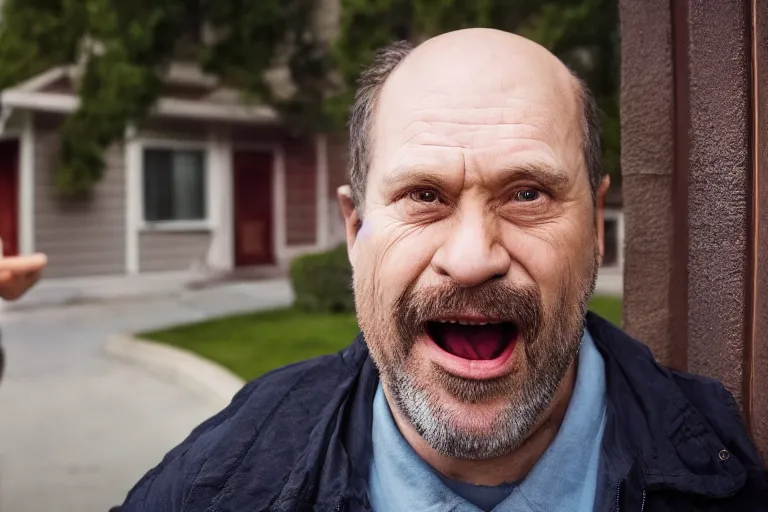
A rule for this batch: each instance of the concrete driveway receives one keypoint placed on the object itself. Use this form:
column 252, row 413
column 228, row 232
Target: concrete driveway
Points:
column 79, row 427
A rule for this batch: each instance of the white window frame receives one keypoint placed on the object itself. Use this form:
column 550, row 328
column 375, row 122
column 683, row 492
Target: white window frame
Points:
column 205, row 224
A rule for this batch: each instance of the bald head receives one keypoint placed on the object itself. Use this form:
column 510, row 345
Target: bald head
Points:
column 477, row 61
column 479, row 71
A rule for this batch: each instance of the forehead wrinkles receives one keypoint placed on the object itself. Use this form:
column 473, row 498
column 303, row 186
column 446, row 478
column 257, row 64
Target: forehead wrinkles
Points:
column 477, row 127
column 414, row 115
column 457, row 110
column 466, row 135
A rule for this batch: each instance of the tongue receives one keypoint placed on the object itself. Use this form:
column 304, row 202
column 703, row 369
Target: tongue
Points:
column 476, row 342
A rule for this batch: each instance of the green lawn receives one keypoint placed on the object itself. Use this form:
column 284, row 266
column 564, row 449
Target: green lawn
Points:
column 253, row 344
column 607, row 307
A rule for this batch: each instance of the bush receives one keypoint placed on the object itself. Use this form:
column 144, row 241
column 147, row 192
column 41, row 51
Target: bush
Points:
column 322, row 282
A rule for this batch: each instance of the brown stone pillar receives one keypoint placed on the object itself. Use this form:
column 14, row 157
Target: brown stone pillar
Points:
column 694, row 103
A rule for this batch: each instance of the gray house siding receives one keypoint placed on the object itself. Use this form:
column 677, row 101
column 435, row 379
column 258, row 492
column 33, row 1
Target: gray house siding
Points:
column 301, row 192
column 168, row 251
column 338, row 163
column 173, row 130
column 249, row 134
column 82, row 236
column 14, row 123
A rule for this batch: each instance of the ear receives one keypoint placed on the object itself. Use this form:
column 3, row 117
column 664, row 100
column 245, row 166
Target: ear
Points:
column 600, row 213
column 351, row 217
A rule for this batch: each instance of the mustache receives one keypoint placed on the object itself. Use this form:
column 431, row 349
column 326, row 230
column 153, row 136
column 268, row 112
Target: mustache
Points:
column 521, row 305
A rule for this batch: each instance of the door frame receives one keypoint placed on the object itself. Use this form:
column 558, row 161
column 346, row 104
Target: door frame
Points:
column 24, row 133
column 13, row 136
column 278, row 199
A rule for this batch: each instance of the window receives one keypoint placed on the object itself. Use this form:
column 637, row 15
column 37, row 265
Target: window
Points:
column 174, row 185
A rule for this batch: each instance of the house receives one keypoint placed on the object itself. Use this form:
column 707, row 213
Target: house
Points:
column 206, row 182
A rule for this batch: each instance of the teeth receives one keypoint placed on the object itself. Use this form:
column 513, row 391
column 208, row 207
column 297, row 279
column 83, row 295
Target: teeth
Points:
column 463, row 322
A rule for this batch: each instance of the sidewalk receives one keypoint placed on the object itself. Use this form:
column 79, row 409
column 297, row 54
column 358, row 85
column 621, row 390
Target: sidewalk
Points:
column 610, row 282
column 84, row 290
column 78, row 426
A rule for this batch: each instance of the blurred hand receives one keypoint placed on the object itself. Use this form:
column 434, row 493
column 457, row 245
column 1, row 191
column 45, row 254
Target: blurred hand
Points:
column 19, row 273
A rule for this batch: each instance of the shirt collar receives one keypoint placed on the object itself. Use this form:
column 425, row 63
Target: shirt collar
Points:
column 395, row 465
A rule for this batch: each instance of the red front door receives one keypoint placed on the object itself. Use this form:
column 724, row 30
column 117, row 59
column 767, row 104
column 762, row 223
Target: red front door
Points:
column 9, row 197
column 253, row 208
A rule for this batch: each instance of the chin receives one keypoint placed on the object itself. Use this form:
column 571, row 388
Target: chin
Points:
column 429, row 394
column 480, row 419
column 467, row 418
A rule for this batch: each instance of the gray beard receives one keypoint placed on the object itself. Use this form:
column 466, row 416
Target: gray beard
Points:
column 548, row 352
column 548, row 359
column 514, row 423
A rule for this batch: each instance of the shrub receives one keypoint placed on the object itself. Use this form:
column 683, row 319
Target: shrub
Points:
column 322, row 282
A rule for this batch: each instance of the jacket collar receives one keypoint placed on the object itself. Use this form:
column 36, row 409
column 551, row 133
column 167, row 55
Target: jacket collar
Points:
column 653, row 427
column 654, row 437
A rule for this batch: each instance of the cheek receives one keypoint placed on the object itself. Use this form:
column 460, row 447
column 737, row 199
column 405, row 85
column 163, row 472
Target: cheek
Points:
column 391, row 256
column 555, row 259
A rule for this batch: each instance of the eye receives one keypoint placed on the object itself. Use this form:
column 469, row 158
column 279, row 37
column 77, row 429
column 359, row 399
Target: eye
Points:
column 527, row 195
column 425, row 196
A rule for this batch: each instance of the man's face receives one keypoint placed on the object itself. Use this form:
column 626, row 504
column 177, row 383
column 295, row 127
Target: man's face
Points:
column 478, row 250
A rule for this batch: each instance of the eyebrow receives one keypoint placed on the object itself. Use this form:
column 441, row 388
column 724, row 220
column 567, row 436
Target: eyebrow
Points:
column 550, row 177
column 407, row 175
column 554, row 178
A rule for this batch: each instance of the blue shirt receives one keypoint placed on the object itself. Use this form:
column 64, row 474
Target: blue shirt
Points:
column 564, row 479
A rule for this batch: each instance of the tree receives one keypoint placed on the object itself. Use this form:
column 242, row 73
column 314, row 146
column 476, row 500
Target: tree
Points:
column 123, row 46
column 36, row 35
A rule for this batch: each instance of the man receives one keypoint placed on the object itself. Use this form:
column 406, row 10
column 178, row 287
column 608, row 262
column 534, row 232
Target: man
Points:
column 481, row 383
column 17, row 275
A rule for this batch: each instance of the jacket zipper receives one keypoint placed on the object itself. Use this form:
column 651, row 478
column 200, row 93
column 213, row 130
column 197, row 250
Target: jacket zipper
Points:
column 642, row 506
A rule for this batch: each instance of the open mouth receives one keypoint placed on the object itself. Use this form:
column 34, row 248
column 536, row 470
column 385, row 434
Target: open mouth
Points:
column 473, row 339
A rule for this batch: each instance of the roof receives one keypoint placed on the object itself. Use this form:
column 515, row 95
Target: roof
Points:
column 54, row 91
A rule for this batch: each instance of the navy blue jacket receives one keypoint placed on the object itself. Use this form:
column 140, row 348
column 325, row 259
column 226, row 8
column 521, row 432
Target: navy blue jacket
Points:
column 298, row 439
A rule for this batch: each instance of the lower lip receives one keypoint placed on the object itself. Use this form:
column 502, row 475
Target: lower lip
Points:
column 477, row 369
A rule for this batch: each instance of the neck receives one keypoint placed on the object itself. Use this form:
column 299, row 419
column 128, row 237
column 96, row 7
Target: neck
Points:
column 511, row 467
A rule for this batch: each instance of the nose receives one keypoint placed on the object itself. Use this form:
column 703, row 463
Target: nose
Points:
column 472, row 254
